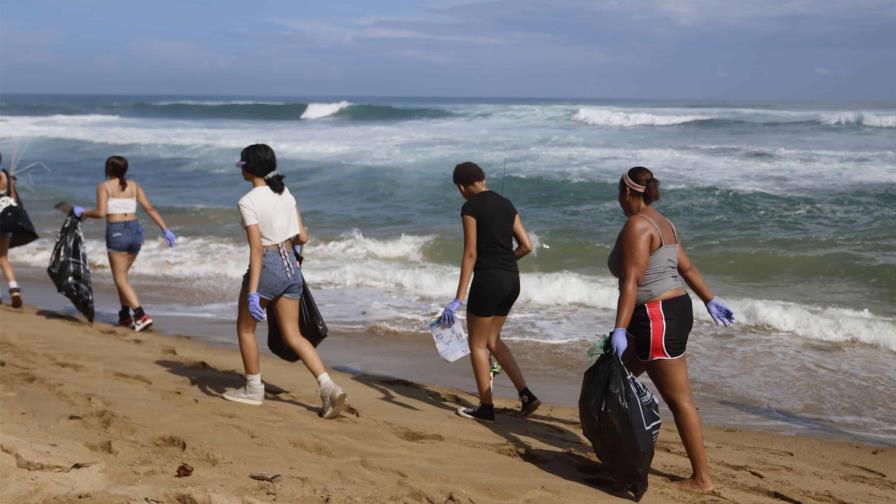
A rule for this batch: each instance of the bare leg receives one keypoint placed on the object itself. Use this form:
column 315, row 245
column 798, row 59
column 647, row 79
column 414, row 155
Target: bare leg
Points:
column 288, row 318
column 245, row 330
column 5, row 265
column 120, row 263
column 502, row 353
column 479, row 329
column 671, row 379
column 631, row 361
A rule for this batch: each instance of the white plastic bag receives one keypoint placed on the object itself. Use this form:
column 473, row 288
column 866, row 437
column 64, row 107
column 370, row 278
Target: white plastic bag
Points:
column 451, row 342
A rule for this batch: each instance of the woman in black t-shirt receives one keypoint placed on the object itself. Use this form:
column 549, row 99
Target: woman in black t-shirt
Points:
column 490, row 224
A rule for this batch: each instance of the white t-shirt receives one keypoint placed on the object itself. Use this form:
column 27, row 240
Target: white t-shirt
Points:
column 275, row 214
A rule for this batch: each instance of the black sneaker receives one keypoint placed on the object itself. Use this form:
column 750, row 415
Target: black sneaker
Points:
column 483, row 412
column 530, row 403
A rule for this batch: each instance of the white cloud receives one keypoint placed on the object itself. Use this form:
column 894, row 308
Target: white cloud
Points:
column 695, row 11
column 365, row 29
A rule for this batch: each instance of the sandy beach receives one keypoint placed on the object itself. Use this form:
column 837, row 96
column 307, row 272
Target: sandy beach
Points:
column 100, row 414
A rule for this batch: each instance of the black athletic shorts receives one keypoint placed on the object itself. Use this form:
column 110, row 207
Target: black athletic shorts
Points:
column 661, row 328
column 493, row 292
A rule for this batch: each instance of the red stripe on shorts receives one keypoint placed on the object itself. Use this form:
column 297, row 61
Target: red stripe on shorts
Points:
column 657, row 331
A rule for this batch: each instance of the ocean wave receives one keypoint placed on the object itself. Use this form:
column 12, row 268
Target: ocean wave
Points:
column 604, row 117
column 318, row 110
column 216, row 103
column 396, row 268
column 251, row 110
column 869, row 119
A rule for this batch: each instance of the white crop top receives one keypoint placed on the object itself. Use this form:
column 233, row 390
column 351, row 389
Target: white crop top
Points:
column 275, row 214
column 120, row 205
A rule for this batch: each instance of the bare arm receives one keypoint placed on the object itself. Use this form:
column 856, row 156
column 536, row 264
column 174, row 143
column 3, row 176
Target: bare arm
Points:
column 256, row 254
column 692, row 275
column 635, row 256
column 102, row 197
column 302, row 237
column 10, row 184
column 523, row 244
column 148, row 208
column 469, row 258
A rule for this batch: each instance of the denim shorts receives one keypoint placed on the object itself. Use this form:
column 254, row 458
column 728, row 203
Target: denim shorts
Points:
column 124, row 236
column 275, row 280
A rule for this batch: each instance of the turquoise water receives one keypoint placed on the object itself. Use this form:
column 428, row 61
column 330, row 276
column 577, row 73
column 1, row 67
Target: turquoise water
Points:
column 786, row 208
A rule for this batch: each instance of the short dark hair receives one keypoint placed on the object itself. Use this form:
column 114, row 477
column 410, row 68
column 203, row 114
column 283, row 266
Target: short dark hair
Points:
column 261, row 160
column 468, row 173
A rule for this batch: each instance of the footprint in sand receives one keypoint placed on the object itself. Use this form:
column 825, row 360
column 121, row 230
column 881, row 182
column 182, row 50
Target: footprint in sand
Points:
column 70, row 365
column 312, row 447
column 415, row 436
column 104, row 446
column 132, row 377
column 170, row 441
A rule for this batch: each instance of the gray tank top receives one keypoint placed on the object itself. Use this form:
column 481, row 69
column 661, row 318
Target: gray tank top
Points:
column 662, row 267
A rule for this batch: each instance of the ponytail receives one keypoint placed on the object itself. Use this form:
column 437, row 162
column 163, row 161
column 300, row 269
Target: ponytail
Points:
column 275, row 182
column 652, row 191
column 642, row 181
column 262, row 162
column 117, row 166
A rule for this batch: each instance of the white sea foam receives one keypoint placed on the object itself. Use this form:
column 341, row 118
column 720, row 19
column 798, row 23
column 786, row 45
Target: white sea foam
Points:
column 870, row 119
column 609, row 117
column 394, row 273
column 318, row 110
column 543, row 149
column 216, row 103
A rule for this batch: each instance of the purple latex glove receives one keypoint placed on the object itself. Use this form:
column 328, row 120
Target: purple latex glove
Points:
column 447, row 318
column 169, row 237
column 619, row 341
column 78, row 212
column 721, row 314
column 255, row 308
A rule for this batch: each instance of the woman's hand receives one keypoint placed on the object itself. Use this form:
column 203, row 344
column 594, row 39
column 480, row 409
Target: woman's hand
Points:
column 721, row 314
column 448, row 314
column 255, row 308
column 169, row 237
column 619, row 341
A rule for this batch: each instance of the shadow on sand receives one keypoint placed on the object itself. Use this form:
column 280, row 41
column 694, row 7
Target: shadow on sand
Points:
column 568, row 455
column 213, row 382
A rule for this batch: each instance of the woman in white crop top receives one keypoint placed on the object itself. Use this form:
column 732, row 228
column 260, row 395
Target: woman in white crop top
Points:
column 116, row 201
column 274, row 229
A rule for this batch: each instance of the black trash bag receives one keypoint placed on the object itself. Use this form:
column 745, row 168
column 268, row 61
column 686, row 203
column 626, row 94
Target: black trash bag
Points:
column 311, row 325
column 621, row 418
column 13, row 217
column 69, row 269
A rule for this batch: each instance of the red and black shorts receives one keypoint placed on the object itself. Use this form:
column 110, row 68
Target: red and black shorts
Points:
column 660, row 328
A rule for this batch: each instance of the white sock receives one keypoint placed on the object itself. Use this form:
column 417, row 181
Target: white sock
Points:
column 254, row 380
column 323, row 379
column 13, row 285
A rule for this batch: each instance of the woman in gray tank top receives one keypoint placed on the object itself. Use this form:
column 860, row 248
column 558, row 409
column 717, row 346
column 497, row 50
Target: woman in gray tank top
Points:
column 654, row 314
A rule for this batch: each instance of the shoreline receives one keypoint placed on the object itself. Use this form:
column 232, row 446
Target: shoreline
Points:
column 555, row 377
column 108, row 415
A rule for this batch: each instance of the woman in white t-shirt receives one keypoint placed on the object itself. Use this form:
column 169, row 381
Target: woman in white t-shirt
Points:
column 274, row 228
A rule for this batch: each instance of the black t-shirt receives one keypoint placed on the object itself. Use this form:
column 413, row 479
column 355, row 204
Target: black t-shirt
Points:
column 494, row 216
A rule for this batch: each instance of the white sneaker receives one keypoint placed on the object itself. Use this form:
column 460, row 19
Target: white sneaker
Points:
column 332, row 399
column 248, row 394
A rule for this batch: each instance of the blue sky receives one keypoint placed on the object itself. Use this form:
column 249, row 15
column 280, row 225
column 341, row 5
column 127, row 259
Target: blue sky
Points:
column 714, row 49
